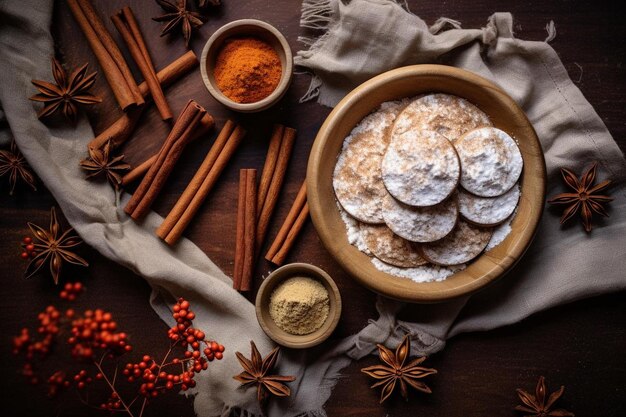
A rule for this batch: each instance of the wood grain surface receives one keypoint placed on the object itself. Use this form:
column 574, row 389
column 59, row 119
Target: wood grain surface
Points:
column 580, row 345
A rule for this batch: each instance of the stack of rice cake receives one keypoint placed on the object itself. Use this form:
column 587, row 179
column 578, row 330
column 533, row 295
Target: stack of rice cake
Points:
column 428, row 179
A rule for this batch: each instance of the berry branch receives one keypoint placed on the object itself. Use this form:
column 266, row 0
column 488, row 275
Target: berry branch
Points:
column 94, row 334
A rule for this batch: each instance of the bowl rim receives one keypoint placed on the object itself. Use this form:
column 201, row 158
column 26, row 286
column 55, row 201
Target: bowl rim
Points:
column 285, row 78
column 282, row 274
column 379, row 281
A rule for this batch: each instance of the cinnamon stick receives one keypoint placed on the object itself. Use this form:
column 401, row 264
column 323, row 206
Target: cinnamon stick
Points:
column 169, row 154
column 206, row 123
column 264, row 213
column 270, row 163
column 239, row 236
column 127, row 26
column 289, row 230
column 281, row 255
column 111, row 60
column 246, row 229
column 121, row 129
column 250, row 229
column 200, row 185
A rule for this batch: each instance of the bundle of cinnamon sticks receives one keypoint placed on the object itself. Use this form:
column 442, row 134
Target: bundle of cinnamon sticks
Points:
column 109, row 56
column 272, row 178
column 170, row 152
column 202, row 183
column 252, row 223
column 126, row 24
column 246, row 230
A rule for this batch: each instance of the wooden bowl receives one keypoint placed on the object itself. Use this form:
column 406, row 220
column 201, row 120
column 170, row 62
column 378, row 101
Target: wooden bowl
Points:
column 263, row 300
column 253, row 28
column 406, row 82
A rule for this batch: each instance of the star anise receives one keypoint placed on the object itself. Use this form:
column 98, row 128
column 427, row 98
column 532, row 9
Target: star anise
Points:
column 179, row 15
column 100, row 163
column 53, row 247
column 204, row 3
column 256, row 372
column 536, row 404
column 396, row 371
column 67, row 94
column 585, row 198
column 13, row 164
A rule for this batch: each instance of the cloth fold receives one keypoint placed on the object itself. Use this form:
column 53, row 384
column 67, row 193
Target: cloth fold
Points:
column 361, row 39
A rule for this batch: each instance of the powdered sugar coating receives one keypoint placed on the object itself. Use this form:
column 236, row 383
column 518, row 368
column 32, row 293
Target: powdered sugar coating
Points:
column 462, row 245
column 491, row 161
column 488, row 211
column 353, row 231
column 500, row 232
column 357, row 177
column 425, row 273
column 389, row 247
column 448, row 115
column 420, row 168
column 420, row 224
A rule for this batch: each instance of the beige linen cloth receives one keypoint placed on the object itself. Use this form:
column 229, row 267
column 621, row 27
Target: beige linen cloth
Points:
column 361, row 39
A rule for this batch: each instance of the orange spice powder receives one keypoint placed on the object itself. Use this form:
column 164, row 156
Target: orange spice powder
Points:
column 247, row 69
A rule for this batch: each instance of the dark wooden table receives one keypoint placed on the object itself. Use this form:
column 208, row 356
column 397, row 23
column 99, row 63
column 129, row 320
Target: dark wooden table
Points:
column 580, row 345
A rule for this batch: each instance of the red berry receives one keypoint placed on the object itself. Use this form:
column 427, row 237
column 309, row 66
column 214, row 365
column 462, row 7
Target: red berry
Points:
column 219, row 355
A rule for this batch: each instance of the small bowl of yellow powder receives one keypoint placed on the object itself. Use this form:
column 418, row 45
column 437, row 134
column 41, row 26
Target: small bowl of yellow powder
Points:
column 298, row 305
column 247, row 65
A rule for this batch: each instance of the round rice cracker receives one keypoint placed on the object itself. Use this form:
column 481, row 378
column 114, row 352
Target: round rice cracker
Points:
column 446, row 114
column 465, row 243
column 420, row 168
column 420, row 224
column 357, row 177
column 389, row 247
column 488, row 211
column 491, row 162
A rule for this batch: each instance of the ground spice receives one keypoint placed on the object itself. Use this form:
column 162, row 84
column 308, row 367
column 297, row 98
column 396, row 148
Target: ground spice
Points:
column 299, row 305
column 247, row 69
